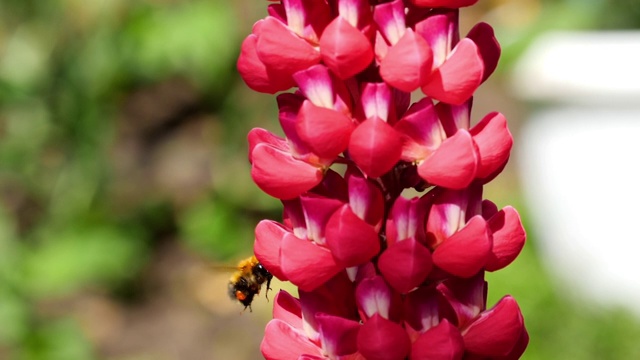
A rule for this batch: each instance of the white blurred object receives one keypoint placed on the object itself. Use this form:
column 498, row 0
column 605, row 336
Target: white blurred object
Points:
column 580, row 160
column 584, row 67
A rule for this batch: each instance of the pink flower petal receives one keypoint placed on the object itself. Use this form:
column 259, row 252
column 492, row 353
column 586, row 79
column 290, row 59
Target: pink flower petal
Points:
column 365, row 199
column 440, row 31
column 283, row 342
column 356, row 12
column 269, row 235
column 311, row 357
column 488, row 209
column 447, row 214
column 255, row 74
column 288, row 106
column 375, row 147
column 407, row 64
column 458, row 77
column 293, row 217
column 519, row 348
column 325, row 131
column 380, row 47
column 382, row 339
column 258, row 136
column 277, row 11
column 377, row 100
column 405, row 264
column 453, row 165
column 374, row 296
column 282, row 51
column 442, row 342
column 407, row 219
column 421, row 309
column 287, row 308
column 494, row 142
column 307, row 18
column 508, row 238
column 338, row 335
column 317, row 211
column 444, row 3
column 466, row 252
column 497, row 331
column 280, row 175
column 306, row 264
column 482, row 34
column 390, row 20
column 345, row 50
column 334, row 297
column 454, row 117
column 316, row 85
column 466, row 297
column 332, row 186
column 421, row 129
column 351, row 240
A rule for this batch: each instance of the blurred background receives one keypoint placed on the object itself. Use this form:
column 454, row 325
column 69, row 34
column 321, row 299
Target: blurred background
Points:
column 124, row 177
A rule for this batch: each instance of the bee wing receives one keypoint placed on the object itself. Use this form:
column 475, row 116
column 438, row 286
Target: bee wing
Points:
column 223, row 268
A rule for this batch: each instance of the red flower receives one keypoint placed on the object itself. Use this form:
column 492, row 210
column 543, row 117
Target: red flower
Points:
column 497, row 332
column 467, row 237
column 318, row 326
column 282, row 44
column 375, row 146
column 430, row 56
column 381, row 276
column 345, row 45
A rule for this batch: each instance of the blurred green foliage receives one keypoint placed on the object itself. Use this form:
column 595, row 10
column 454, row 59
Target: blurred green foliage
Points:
column 69, row 219
column 97, row 97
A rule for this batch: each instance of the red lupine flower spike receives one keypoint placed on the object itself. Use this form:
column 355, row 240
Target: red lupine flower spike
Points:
column 380, row 276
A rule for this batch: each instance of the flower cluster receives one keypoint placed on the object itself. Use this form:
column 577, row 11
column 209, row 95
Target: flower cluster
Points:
column 381, row 276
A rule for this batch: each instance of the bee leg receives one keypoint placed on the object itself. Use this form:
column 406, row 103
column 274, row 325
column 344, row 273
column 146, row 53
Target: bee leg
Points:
column 266, row 293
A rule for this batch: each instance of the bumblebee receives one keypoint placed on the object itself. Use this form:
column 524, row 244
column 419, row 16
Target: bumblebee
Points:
column 247, row 281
